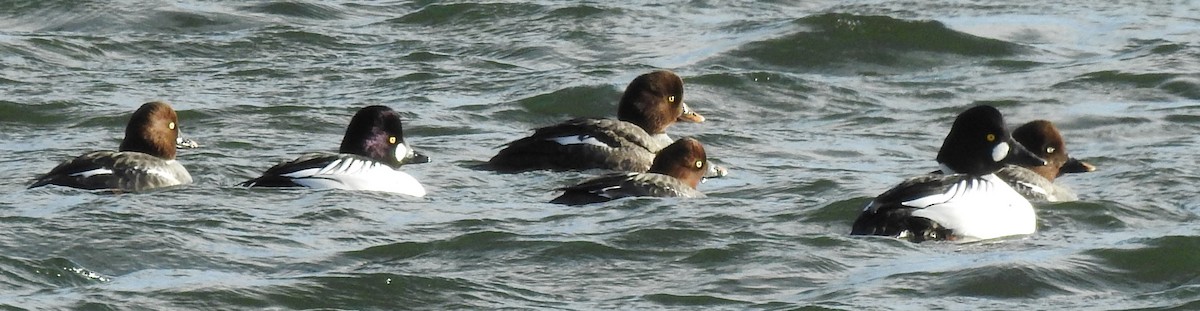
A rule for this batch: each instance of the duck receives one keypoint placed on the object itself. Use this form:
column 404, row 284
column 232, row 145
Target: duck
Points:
column 144, row 161
column 651, row 103
column 676, row 172
column 1036, row 183
column 967, row 201
column 371, row 154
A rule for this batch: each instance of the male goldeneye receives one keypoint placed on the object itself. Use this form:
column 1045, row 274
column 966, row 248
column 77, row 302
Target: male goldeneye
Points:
column 370, row 157
column 1037, row 182
column 676, row 172
column 650, row 104
column 144, row 161
column 966, row 203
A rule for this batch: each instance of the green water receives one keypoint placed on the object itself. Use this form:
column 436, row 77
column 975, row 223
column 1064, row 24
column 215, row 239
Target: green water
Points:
column 815, row 107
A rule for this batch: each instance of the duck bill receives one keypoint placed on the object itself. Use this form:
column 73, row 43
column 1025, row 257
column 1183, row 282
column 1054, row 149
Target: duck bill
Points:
column 715, row 171
column 417, row 158
column 689, row 115
column 183, row 142
column 1016, row 154
column 1074, row 165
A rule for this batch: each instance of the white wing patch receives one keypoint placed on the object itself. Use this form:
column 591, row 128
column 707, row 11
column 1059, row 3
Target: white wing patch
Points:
column 578, row 139
column 607, row 191
column 356, row 174
column 1034, row 188
column 93, row 172
column 869, row 205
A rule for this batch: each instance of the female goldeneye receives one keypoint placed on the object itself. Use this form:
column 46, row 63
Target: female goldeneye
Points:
column 676, row 172
column 144, row 161
column 650, row 104
column 1037, row 182
column 966, row 203
column 370, row 157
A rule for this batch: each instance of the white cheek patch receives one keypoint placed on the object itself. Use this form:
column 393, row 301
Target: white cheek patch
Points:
column 402, row 152
column 1000, row 151
column 578, row 139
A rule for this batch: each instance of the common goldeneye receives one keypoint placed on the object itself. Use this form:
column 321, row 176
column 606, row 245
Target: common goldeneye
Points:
column 144, row 161
column 1037, row 182
column 370, row 157
column 966, row 203
column 650, row 104
column 676, row 172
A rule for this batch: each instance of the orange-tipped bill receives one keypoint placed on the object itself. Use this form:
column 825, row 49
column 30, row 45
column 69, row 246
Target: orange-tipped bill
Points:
column 689, row 115
column 1075, row 166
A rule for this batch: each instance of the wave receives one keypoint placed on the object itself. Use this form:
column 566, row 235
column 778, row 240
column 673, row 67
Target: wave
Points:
column 460, row 14
column 858, row 42
column 1184, row 85
column 104, row 18
column 41, row 114
column 1160, row 263
column 29, row 274
column 298, row 9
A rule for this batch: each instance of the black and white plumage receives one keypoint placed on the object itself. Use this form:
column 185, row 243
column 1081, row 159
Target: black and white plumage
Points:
column 369, row 158
column 968, row 202
column 338, row 171
column 146, row 159
column 650, row 104
column 676, row 172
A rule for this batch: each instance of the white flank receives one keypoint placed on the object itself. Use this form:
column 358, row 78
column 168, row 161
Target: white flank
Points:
column 352, row 174
column 980, row 210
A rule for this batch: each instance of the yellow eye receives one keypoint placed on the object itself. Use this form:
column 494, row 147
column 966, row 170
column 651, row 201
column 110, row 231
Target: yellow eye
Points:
column 171, row 125
column 1050, row 149
column 392, row 139
column 671, row 99
column 699, row 164
column 991, row 137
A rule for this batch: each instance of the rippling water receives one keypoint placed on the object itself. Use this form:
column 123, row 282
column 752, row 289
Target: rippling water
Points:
column 815, row 107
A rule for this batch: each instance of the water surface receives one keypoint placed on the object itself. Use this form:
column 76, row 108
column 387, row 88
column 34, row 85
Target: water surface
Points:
column 815, row 107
